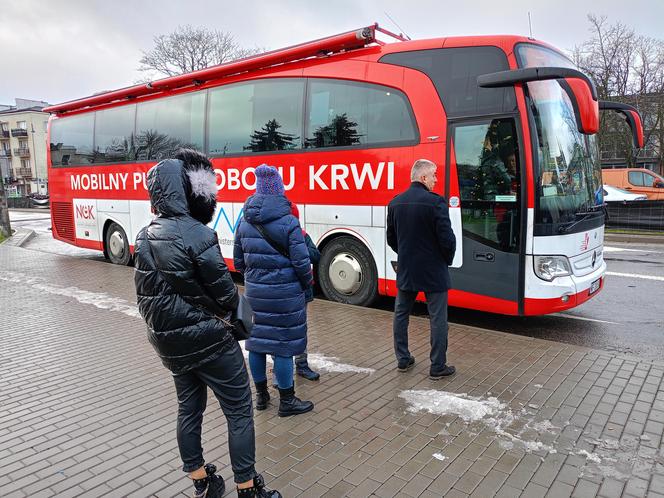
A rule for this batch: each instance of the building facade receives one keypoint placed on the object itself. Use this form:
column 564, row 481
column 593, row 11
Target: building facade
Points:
column 23, row 148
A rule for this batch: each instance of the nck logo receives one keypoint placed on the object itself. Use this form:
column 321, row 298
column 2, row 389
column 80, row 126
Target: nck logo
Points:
column 586, row 241
column 85, row 212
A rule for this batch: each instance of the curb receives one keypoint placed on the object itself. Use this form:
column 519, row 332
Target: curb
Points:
column 20, row 237
column 629, row 238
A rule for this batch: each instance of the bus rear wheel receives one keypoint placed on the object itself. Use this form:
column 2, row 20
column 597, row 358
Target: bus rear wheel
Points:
column 347, row 272
column 116, row 245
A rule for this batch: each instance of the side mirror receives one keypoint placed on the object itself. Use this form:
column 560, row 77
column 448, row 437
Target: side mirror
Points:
column 659, row 184
column 580, row 89
column 632, row 117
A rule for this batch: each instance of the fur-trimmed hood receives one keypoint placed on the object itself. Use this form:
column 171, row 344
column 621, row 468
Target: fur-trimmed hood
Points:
column 174, row 190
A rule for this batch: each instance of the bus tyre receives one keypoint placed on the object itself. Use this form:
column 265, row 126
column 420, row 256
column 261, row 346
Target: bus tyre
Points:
column 347, row 272
column 116, row 245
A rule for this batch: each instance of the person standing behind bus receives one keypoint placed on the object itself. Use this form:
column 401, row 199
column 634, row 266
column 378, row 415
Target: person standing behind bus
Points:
column 270, row 251
column 420, row 232
column 184, row 290
column 302, row 367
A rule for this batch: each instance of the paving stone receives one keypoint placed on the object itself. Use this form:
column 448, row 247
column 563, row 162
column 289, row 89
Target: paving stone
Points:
column 90, row 409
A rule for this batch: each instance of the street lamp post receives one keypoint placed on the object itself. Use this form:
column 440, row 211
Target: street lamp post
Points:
column 5, row 227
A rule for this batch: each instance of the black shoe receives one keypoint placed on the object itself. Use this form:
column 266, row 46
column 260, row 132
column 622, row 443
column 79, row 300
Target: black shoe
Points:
column 289, row 404
column 439, row 374
column 258, row 490
column 307, row 373
column 262, row 395
column 404, row 366
column 212, row 486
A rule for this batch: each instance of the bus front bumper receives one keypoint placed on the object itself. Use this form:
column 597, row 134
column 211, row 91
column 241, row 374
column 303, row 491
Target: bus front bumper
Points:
column 562, row 293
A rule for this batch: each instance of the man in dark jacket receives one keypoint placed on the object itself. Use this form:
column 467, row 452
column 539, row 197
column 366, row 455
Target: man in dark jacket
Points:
column 184, row 291
column 419, row 231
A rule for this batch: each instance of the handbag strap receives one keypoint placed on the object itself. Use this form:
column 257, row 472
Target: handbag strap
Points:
column 275, row 245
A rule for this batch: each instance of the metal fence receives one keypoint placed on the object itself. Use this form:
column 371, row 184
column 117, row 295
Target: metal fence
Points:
column 636, row 215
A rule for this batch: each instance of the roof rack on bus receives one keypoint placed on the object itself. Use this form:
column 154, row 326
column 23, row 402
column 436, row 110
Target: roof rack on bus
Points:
column 342, row 42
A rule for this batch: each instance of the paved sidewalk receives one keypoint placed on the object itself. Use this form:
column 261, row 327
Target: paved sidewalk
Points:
column 87, row 409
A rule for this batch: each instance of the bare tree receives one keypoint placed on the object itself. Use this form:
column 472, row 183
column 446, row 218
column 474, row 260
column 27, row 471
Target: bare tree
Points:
column 628, row 68
column 191, row 48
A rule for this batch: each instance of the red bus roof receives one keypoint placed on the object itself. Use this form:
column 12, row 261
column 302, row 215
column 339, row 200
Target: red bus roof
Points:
column 348, row 43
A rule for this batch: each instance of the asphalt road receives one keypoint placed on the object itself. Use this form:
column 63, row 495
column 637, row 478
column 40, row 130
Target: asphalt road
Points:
column 626, row 316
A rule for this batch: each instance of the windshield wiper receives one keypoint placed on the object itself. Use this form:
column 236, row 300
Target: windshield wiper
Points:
column 582, row 216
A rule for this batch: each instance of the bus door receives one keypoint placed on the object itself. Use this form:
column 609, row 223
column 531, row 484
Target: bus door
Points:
column 485, row 182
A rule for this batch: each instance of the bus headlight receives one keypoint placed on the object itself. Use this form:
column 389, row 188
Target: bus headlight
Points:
column 549, row 267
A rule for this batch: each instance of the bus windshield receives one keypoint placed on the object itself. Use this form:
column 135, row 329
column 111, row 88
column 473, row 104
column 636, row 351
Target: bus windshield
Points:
column 569, row 175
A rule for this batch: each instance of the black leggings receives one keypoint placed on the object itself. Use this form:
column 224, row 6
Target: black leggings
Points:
column 227, row 377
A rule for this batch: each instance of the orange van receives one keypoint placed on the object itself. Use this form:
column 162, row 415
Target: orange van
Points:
column 636, row 180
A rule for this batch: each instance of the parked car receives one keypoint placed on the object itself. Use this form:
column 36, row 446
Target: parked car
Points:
column 615, row 194
column 636, row 181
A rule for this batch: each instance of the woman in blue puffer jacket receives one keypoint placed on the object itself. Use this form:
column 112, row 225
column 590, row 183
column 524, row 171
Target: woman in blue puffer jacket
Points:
column 271, row 253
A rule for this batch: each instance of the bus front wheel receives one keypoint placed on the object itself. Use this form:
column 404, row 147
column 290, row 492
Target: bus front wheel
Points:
column 116, row 245
column 347, row 272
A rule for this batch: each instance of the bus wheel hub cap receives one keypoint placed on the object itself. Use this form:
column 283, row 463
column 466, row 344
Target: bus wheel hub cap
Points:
column 117, row 244
column 345, row 273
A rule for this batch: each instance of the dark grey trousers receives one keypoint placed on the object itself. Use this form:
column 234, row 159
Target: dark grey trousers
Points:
column 437, row 306
column 227, row 377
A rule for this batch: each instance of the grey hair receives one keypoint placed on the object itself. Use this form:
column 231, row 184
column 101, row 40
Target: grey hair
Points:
column 203, row 182
column 421, row 167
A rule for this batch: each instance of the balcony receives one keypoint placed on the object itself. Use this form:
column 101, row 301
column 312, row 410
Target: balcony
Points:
column 22, row 152
column 24, row 172
column 4, row 134
column 19, row 132
column 5, row 153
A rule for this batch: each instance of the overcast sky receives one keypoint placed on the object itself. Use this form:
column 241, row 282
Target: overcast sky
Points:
column 58, row 50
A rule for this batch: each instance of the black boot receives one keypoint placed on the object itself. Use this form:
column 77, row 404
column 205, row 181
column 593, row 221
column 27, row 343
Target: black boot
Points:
column 262, row 395
column 289, row 404
column 302, row 368
column 258, row 490
column 212, row 486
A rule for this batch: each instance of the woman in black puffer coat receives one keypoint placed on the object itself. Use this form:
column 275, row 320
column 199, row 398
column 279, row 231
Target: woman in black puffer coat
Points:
column 184, row 289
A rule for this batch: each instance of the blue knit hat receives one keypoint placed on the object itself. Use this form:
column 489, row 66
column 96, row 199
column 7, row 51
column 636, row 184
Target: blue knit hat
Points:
column 269, row 181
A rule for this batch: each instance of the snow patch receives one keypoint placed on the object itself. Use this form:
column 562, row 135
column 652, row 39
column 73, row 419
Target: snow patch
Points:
column 98, row 299
column 469, row 408
column 328, row 364
column 592, row 457
column 491, row 412
column 332, row 364
column 438, row 456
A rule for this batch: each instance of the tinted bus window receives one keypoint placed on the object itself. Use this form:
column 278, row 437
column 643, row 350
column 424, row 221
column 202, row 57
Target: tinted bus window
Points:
column 454, row 73
column 114, row 134
column 71, row 140
column 345, row 113
column 256, row 117
column 165, row 125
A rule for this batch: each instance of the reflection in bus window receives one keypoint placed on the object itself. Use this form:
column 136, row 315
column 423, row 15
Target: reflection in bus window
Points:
column 114, row 134
column 343, row 113
column 270, row 138
column 257, row 116
column 165, row 125
column 489, row 181
column 71, row 140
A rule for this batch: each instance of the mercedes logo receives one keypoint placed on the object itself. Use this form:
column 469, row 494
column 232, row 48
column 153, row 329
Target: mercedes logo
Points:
column 594, row 258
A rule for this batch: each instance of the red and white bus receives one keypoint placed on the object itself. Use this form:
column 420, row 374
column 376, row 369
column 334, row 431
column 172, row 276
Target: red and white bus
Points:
column 509, row 120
